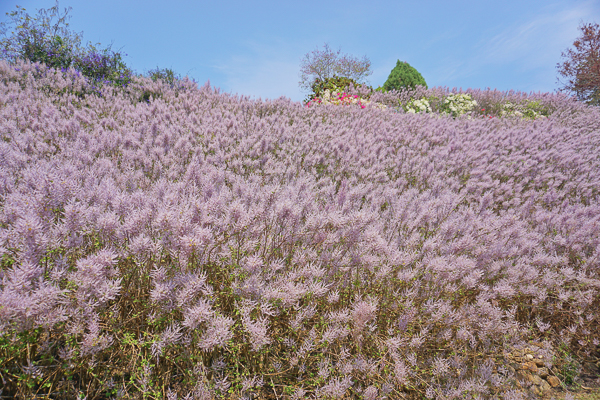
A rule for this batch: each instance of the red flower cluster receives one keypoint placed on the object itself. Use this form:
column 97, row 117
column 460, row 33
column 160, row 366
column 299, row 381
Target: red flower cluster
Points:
column 488, row 116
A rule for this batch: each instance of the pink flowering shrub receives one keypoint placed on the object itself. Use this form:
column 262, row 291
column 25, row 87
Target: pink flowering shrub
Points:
column 210, row 246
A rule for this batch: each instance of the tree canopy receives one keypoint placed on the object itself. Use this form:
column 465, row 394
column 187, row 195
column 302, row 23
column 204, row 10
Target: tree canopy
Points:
column 321, row 65
column 582, row 65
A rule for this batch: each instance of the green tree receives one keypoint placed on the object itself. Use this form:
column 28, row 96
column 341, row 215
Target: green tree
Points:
column 403, row 76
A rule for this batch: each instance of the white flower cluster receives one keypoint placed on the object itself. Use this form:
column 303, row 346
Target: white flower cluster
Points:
column 418, row 106
column 458, row 104
column 374, row 104
column 529, row 110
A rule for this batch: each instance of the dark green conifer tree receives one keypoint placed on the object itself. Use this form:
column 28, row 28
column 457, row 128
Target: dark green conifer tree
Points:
column 404, row 76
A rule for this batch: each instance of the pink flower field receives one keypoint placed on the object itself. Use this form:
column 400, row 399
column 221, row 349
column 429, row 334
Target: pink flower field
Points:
column 201, row 245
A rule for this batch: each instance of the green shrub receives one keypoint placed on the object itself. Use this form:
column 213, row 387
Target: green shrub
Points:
column 568, row 367
column 166, row 75
column 39, row 39
column 103, row 66
column 403, row 76
column 336, row 84
column 54, row 53
column 526, row 110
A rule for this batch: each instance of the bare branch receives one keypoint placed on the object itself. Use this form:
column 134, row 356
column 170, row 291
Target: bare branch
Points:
column 327, row 63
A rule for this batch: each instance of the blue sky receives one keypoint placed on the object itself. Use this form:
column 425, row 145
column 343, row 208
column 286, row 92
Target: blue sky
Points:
column 254, row 48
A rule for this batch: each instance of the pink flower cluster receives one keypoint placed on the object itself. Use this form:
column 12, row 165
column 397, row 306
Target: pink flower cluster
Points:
column 206, row 244
column 338, row 99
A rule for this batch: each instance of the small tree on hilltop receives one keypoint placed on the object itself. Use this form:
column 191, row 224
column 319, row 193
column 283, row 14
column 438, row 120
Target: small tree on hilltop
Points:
column 582, row 67
column 403, row 76
column 321, row 65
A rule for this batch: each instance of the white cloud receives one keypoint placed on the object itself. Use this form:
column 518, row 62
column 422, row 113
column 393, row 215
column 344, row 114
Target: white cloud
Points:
column 537, row 42
column 526, row 49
